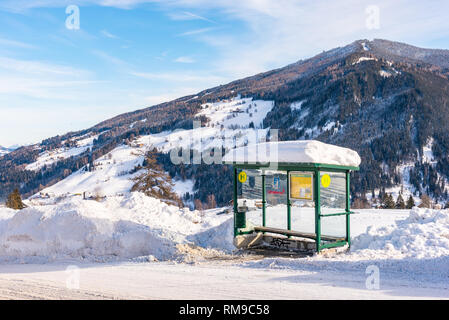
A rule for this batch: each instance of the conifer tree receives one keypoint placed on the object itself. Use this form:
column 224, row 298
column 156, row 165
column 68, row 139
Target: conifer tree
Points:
column 400, row 204
column 14, row 200
column 154, row 182
column 410, row 202
column 388, row 202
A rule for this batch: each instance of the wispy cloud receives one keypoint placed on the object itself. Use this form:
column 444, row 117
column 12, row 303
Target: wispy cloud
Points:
column 186, row 15
column 177, row 76
column 123, row 4
column 278, row 32
column 13, row 43
column 38, row 89
column 107, row 34
column 184, row 60
column 195, row 32
column 255, row 36
column 39, row 79
column 39, row 68
column 110, row 59
column 170, row 95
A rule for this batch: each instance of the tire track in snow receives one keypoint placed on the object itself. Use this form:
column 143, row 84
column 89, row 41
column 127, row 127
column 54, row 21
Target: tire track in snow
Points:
column 18, row 289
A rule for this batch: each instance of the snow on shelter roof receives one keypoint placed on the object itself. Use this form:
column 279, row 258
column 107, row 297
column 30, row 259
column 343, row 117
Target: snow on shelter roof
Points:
column 302, row 151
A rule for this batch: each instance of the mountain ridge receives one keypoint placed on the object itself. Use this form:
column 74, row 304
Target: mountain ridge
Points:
column 392, row 90
column 384, row 48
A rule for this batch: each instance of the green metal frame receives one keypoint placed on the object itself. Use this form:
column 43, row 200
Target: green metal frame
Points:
column 264, row 200
column 316, row 168
column 294, row 166
column 289, row 204
column 317, row 190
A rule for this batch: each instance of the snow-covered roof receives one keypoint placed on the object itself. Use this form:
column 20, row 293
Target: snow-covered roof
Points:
column 303, row 151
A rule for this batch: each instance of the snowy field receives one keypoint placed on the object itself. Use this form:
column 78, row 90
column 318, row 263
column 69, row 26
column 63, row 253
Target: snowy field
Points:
column 133, row 246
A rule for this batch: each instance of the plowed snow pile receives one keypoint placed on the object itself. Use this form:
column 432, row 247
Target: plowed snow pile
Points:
column 416, row 245
column 424, row 234
column 138, row 227
column 118, row 228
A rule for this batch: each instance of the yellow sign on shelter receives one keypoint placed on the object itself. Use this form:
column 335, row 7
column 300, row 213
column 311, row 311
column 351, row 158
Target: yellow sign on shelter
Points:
column 242, row 177
column 301, row 186
column 325, row 180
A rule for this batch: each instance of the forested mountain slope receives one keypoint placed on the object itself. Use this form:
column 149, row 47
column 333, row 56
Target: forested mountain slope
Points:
column 387, row 100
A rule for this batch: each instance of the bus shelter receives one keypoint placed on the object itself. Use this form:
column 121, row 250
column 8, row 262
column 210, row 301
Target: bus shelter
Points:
column 292, row 194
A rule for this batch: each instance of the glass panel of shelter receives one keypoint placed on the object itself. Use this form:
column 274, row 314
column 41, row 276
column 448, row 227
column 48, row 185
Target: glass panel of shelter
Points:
column 249, row 195
column 302, row 201
column 276, row 206
column 333, row 200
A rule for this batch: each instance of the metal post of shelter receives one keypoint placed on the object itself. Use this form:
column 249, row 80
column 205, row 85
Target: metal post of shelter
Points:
column 348, row 209
column 317, row 210
column 264, row 200
column 235, row 201
column 289, row 204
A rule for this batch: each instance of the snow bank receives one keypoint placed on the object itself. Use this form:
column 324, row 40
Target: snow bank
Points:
column 416, row 248
column 304, row 151
column 121, row 227
column 424, row 234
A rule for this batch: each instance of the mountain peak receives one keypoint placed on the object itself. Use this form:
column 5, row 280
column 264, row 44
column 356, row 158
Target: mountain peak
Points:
column 402, row 52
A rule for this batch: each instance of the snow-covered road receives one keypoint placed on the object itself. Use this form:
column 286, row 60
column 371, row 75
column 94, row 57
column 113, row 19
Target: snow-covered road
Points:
column 208, row 280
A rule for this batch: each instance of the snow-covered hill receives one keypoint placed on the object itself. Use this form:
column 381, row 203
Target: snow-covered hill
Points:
column 79, row 145
column 229, row 123
column 110, row 175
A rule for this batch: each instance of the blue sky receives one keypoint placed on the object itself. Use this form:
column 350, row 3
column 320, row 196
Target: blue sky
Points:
column 130, row 54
